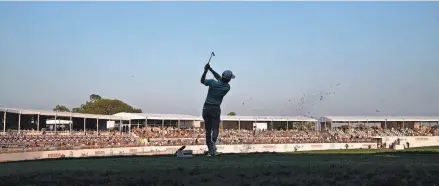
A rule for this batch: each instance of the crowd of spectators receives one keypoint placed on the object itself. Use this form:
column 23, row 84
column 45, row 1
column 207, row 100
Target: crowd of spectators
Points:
column 171, row 136
column 43, row 141
column 164, row 136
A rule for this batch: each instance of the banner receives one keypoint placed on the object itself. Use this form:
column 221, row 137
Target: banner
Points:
column 55, row 155
column 245, row 149
column 318, row 146
column 100, row 153
column 421, row 139
column 197, row 149
column 269, row 148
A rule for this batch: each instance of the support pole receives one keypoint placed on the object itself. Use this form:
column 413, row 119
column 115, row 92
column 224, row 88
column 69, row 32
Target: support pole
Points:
column 178, row 124
column 19, row 122
column 129, row 127
column 239, row 124
column 38, row 122
column 85, row 120
column 71, row 123
column 4, row 120
column 55, row 120
column 256, row 121
column 163, row 123
column 97, row 125
column 120, row 126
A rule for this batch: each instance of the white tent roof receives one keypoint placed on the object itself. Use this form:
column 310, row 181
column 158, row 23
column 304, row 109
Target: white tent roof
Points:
column 158, row 116
column 267, row 118
column 377, row 118
column 131, row 116
column 60, row 114
column 224, row 118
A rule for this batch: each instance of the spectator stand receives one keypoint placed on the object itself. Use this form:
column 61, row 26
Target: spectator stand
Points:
column 27, row 119
column 162, row 120
column 267, row 122
column 28, row 130
column 385, row 122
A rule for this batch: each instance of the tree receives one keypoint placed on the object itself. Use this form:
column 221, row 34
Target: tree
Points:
column 137, row 110
column 77, row 110
column 231, row 114
column 95, row 97
column 61, row 108
column 97, row 105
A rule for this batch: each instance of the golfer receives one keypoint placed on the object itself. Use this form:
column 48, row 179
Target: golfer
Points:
column 212, row 106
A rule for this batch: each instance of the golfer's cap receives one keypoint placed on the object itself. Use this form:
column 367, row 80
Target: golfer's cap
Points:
column 228, row 75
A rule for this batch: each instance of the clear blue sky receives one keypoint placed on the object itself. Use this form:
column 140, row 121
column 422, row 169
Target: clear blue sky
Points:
column 384, row 55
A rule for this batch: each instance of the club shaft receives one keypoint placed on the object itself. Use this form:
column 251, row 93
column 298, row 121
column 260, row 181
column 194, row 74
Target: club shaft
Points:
column 209, row 59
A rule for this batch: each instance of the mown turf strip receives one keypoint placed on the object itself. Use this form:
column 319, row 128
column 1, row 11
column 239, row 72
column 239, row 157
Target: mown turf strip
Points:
column 365, row 167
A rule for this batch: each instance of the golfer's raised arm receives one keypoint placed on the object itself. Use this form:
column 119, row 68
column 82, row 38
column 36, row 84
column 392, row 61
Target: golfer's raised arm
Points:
column 203, row 77
column 216, row 75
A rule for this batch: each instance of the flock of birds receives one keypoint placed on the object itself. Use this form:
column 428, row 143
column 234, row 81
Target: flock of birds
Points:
column 304, row 104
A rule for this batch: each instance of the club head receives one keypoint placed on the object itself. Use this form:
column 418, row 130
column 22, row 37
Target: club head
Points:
column 213, row 54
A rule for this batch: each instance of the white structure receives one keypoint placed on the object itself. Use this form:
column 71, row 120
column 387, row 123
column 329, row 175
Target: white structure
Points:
column 260, row 126
column 176, row 120
column 58, row 122
column 267, row 118
column 20, row 119
column 15, row 116
column 111, row 125
column 381, row 121
column 273, row 122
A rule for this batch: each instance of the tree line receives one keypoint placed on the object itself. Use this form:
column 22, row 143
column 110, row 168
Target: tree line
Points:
column 99, row 105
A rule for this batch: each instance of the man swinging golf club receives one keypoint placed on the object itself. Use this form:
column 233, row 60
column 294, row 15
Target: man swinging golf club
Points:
column 212, row 106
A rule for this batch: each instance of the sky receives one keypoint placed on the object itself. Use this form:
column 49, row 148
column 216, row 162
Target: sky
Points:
column 383, row 56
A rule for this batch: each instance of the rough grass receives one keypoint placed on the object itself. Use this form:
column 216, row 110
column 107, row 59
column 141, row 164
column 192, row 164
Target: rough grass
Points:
column 342, row 167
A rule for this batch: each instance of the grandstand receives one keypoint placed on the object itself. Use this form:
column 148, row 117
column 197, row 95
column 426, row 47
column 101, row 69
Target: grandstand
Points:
column 269, row 122
column 164, row 120
column 385, row 122
column 26, row 130
column 27, row 119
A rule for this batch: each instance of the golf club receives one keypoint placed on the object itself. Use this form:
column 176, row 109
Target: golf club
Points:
column 212, row 54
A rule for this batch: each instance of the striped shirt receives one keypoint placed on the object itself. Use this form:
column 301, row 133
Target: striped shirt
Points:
column 217, row 91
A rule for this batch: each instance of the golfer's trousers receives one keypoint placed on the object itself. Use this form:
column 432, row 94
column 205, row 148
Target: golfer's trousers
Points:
column 211, row 116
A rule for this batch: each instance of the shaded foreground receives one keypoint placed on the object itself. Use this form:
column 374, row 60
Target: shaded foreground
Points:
column 358, row 167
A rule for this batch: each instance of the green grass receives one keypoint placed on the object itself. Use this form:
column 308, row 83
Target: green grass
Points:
column 419, row 166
